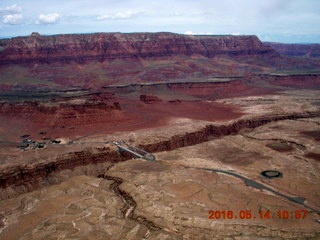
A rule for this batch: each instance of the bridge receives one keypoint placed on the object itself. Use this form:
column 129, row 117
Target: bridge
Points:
column 135, row 151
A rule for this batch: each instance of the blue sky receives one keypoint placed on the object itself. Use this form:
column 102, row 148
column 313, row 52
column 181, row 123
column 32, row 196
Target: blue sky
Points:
column 271, row 20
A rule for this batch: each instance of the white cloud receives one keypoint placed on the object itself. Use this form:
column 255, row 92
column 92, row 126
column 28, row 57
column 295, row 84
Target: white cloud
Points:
column 11, row 9
column 198, row 33
column 48, row 18
column 11, row 15
column 104, row 17
column 119, row 15
column 12, row 19
column 206, row 33
column 14, row 9
column 189, row 33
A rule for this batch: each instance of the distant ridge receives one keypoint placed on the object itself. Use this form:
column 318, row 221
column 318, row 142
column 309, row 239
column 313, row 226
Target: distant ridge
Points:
column 102, row 46
column 298, row 50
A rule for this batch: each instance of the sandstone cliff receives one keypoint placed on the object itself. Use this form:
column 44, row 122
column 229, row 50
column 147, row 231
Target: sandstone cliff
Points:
column 102, row 46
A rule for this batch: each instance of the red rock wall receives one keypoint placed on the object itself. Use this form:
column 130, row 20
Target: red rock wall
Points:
column 101, row 46
column 19, row 179
column 212, row 131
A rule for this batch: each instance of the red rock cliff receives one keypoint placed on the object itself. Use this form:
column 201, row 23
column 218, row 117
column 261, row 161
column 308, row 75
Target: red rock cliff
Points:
column 101, row 46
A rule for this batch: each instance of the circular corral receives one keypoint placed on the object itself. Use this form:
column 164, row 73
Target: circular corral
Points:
column 271, row 174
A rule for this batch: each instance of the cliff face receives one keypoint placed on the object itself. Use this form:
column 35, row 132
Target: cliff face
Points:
column 102, row 46
column 299, row 50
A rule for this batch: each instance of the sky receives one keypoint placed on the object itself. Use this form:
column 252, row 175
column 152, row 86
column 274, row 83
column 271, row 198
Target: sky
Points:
column 287, row 21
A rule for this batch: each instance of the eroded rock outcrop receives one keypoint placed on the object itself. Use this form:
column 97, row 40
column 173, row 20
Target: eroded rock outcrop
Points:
column 149, row 98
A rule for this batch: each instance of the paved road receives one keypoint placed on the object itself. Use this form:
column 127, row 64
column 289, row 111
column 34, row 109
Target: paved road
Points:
column 251, row 183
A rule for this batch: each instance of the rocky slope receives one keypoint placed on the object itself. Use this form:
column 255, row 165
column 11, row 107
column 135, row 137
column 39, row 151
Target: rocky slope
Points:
column 102, row 46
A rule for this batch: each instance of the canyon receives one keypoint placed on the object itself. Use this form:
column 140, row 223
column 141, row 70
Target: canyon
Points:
column 158, row 197
column 229, row 103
